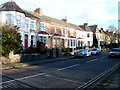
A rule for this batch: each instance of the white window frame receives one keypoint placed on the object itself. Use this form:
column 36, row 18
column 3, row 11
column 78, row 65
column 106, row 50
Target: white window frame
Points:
column 9, row 18
column 43, row 39
column 63, row 31
column 71, row 32
column 27, row 23
column 56, row 29
column 32, row 22
column 42, row 26
column 18, row 19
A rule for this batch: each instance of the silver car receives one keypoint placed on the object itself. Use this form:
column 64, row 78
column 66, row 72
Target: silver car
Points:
column 95, row 51
column 115, row 52
column 82, row 53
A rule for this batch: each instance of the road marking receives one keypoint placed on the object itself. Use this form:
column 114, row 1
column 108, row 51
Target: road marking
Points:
column 92, row 60
column 101, row 75
column 67, row 67
column 23, row 78
column 96, row 59
column 104, row 57
column 64, row 79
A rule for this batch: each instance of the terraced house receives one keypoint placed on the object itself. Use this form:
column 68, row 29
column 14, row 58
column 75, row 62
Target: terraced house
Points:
column 34, row 26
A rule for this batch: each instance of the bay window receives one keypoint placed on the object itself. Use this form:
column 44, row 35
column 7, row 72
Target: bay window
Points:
column 43, row 39
column 8, row 18
column 18, row 20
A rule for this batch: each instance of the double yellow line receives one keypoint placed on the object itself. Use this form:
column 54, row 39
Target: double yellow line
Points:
column 100, row 76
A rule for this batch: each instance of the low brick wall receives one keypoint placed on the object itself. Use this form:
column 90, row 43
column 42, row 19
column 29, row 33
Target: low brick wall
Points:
column 16, row 58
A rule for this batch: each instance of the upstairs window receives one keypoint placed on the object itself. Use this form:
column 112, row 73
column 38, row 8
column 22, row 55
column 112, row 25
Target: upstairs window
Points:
column 63, row 31
column 56, row 29
column 27, row 23
column 8, row 18
column 18, row 20
column 42, row 26
column 32, row 24
column 66, row 31
column 71, row 32
column 88, row 35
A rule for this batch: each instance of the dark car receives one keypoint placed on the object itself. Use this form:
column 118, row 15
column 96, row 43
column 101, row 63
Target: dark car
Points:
column 115, row 52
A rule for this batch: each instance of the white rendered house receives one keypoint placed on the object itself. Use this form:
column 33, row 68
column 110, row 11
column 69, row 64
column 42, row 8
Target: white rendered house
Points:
column 11, row 13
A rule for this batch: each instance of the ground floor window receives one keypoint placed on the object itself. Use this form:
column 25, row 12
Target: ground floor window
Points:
column 43, row 39
column 73, row 42
column 57, row 42
column 88, row 43
column 32, row 40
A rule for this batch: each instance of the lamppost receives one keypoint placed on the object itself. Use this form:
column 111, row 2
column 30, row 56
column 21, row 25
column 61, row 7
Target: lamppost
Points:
column 119, row 22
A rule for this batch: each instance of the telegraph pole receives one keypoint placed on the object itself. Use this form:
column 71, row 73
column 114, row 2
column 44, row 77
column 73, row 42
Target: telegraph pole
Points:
column 119, row 22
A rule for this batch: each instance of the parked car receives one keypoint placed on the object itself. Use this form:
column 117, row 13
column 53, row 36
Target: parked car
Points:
column 82, row 53
column 95, row 51
column 115, row 52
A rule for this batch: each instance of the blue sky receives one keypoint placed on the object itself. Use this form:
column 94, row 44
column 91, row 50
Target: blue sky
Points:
column 101, row 12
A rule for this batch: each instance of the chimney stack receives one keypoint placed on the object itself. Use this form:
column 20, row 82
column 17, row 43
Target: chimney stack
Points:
column 38, row 10
column 65, row 20
column 85, row 24
column 101, row 29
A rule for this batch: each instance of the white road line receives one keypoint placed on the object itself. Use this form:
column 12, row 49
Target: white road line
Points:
column 104, row 57
column 67, row 67
column 92, row 60
column 69, row 80
column 23, row 78
column 96, row 59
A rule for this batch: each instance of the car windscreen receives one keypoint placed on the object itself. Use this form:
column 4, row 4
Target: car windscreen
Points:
column 94, row 50
column 116, row 50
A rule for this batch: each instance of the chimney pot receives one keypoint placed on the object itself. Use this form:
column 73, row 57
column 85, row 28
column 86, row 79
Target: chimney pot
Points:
column 38, row 10
column 85, row 24
column 101, row 28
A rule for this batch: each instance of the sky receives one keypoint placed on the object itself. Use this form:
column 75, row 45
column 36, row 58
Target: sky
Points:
column 103, row 13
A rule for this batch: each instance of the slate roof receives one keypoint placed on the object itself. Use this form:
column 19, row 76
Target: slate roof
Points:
column 53, row 20
column 85, row 28
column 12, row 6
column 93, row 28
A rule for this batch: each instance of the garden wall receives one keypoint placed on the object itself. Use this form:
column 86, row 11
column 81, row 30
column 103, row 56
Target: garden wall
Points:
column 16, row 58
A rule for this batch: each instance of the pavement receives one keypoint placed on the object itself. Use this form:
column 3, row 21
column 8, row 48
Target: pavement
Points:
column 24, row 64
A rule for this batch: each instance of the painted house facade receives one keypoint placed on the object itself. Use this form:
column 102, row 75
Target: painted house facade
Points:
column 87, row 35
column 34, row 26
column 11, row 13
column 96, row 34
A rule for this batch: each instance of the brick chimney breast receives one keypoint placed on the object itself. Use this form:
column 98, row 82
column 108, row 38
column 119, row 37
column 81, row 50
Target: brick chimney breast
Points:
column 38, row 10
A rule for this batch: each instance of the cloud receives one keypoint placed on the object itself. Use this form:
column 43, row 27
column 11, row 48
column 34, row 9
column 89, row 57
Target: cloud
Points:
column 78, row 11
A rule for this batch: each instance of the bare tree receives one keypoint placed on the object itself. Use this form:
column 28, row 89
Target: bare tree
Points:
column 112, row 33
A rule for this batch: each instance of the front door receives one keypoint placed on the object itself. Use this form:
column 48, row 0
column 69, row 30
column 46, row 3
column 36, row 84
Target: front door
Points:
column 26, row 42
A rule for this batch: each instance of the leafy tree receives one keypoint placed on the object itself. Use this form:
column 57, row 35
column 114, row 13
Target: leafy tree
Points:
column 11, row 39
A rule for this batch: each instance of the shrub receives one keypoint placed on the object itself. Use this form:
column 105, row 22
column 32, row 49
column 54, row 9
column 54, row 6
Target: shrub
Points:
column 11, row 39
column 40, row 48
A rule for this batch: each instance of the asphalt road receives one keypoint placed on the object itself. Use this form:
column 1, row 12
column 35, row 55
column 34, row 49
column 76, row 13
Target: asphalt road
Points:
column 62, row 74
